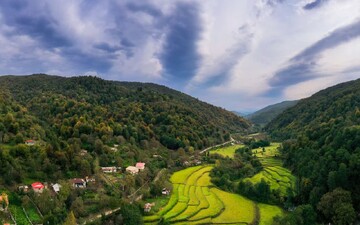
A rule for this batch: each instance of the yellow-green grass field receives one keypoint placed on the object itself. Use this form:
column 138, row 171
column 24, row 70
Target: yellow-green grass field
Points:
column 228, row 151
column 268, row 212
column 195, row 200
column 270, row 151
column 237, row 208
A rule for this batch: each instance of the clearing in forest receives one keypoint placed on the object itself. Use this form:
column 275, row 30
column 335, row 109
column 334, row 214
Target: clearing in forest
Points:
column 195, row 200
column 226, row 151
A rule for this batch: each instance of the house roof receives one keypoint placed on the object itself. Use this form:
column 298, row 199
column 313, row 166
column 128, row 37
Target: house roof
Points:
column 56, row 187
column 37, row 185
column 78, row 181
column 29, row 141
column 140, row 165
column 132, row 168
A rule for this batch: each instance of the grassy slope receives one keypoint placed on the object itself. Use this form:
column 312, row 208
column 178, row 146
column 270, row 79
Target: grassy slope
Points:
column 274, row 174
column 268, row 212
column 194, row 200
column 226, row 151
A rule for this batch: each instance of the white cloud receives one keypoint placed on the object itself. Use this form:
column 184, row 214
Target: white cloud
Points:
column 344, row 57
column 281, row 34
column 245, row 41
column 143, row 66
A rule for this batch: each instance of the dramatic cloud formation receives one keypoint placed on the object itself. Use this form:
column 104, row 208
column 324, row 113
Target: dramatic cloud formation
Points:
column 314, row 4
column 241, row 55
column 303, row 66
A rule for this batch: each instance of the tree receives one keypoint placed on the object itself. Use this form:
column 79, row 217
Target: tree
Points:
column 70, row 219
column 263, row 191
column 78, row 207
column 344, row 214
column 307, row 214
column 303, row 215
column 131, row 214
column 64, row 191
column 336, row 206
column 332, row 180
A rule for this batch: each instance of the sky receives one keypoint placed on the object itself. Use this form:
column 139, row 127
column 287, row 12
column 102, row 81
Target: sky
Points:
column 238, row 54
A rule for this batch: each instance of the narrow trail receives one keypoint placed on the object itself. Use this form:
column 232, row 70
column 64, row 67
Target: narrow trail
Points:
column 98, row 216
column 216, row 146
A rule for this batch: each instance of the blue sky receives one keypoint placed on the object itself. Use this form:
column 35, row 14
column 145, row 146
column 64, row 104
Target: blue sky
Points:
column 240, row 55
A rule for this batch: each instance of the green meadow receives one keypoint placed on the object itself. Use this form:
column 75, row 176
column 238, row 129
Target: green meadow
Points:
column 228, row 151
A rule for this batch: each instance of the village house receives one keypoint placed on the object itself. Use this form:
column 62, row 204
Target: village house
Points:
column 109, row 169
column 37, row 187
column 78, row 183
column 56, row 187
column 147, row 207
column 165, row 191
column 23, row 188
column 90, row 179
column 30, row 142
column 132, row 169
column 140, row 165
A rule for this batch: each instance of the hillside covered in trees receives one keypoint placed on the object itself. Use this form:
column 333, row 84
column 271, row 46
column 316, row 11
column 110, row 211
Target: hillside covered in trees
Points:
column 90, row 113
column 74, row 107
column 322, row 139
column 77, row 125
column 267, row 114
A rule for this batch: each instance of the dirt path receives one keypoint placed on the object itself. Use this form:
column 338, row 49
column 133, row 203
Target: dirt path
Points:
column 98, row 216
column 216, row 146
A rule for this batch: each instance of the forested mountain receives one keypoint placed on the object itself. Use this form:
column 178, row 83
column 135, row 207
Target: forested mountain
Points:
column 323, row 149
column 265, row 115
column 79, row 106
column 80, row 124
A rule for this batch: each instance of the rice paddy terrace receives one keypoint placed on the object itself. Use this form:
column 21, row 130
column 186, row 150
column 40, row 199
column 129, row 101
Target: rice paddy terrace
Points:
column 194, row 200
column 278, row 177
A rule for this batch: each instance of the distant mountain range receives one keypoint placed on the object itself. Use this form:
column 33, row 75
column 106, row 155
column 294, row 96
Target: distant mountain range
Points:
column 267, row 114
column 242, row 114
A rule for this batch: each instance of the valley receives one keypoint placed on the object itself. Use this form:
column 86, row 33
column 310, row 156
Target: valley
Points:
column 88, row 151
column 196, row 200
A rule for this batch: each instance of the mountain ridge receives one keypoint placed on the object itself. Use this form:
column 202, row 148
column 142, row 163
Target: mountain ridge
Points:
column 27, row 90
column 321, row 139
column 265, row 115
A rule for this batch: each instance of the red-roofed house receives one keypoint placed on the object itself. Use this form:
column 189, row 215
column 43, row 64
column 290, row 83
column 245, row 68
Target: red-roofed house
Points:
column 29, row 142
column 37, row 187
column 140, row 165
column 78, row 183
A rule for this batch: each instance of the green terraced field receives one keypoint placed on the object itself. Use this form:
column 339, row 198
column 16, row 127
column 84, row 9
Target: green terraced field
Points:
column 227, row 151
column 278, row 177
column 195, row 200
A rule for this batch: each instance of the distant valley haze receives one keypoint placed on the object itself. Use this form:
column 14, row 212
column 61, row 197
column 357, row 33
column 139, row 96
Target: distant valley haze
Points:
column 240, row 55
